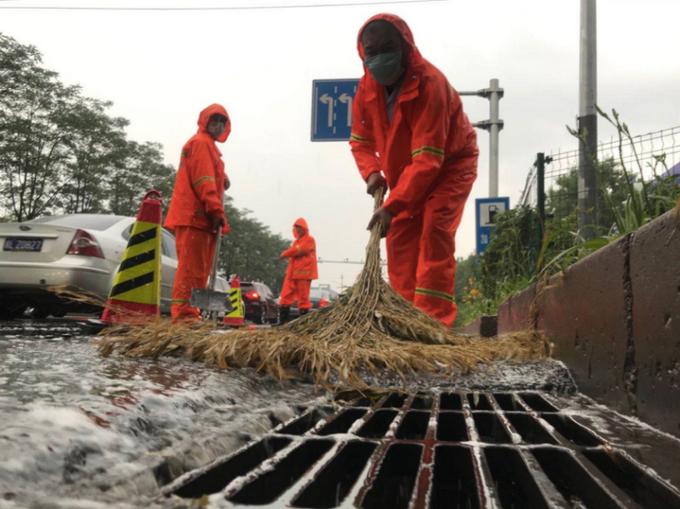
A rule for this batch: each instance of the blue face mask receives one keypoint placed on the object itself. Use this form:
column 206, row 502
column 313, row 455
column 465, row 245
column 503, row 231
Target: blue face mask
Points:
column 385, row 67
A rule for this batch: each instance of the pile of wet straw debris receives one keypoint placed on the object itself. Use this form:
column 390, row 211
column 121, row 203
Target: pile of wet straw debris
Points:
column 369, row 331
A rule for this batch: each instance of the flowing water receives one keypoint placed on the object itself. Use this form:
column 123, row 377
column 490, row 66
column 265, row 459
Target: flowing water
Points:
column 76, row 428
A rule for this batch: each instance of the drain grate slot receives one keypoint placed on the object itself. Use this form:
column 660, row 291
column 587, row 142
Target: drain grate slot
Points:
column 241, row 463
column 490, row 429
column 269, row 485
column 303, row 424
column 393, row 486
column 414, row 426
column 509, row 402
column 394, row 401
column 422, row 403
column 378, row 424
column 450, row 401
column 531, row 430
column 454, row 482
column 342, row 422
column 537, row 402
column 479, row 401
column 636, row 482
column 434, row 450
column 515, row 486
column 572, row 480
column 451, row 427
column 333, row 483
column 571, row 430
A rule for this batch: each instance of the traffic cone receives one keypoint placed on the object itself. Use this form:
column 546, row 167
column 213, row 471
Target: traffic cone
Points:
column 135, row 295
column 236, row 317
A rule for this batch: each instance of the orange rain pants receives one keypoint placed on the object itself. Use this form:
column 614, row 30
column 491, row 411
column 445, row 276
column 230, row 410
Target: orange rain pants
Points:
column 296, row 290
column 420, row 249
column 195, row 250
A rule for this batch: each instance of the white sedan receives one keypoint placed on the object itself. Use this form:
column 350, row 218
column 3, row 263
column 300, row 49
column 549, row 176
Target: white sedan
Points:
column 80, row 251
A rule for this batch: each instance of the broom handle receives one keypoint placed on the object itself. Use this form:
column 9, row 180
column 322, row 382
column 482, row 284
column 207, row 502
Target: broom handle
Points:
column 216, row 256
column 377, row 203
column 378, row 198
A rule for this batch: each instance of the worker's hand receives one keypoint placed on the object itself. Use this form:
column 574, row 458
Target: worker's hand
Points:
column 382, row 216
column 282, row 256
column 227, row 184
column 217, row 222
column 375, row 181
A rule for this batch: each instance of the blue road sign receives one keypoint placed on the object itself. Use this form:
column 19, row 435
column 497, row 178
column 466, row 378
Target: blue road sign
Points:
column 332, row 109
column 486, row 211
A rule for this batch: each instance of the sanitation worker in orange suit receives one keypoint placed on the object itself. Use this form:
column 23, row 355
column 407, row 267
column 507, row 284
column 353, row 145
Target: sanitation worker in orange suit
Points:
column 410, row 134
column 196, row 211
column 302, row 269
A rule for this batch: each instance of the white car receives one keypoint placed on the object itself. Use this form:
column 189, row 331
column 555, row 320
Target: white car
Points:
column 81, row 251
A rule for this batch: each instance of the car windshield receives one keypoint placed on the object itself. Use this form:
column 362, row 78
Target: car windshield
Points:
column 86, row 221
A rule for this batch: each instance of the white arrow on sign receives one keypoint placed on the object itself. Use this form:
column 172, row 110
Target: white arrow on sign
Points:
column 327, row 99
column 347, row 99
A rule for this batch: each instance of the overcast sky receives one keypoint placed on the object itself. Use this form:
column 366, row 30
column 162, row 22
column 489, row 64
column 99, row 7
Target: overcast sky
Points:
column 161, row 68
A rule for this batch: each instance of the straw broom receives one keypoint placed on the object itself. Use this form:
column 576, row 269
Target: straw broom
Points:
column 369, row 331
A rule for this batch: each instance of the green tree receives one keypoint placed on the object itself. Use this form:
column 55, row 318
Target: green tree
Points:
column 33, row 149
column 137, row 169
column 562, row 198
column 61, row 152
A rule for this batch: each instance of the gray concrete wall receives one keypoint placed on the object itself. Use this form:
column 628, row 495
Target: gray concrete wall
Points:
column 614, row 319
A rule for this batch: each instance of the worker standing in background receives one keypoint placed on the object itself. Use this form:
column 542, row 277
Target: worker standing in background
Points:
column 196, row 212
column 410, row 134
column 302, row 269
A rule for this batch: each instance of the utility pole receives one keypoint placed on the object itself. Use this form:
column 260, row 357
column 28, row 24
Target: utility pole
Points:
column 587, row 121
column 494, row 94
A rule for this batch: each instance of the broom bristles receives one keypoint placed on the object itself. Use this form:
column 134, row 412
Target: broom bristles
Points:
column 368, row 331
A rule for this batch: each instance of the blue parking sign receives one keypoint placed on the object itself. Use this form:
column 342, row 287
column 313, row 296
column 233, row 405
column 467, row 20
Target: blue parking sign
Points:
column 332, row 109
column 486, row 212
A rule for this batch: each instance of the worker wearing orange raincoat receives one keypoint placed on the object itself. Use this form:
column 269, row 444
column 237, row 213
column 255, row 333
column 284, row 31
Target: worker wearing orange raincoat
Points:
column 302, row 269
column 196, row 211
column 409, row 132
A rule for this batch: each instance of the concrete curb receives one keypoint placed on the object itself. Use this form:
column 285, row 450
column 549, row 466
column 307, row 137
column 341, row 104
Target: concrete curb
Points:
column 614, row 319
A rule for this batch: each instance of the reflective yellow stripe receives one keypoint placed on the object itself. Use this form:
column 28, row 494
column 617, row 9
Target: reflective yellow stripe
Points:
column 356, row 137
column 435, row 293
column 179, row 301
column 432, row 150
column 198, row 182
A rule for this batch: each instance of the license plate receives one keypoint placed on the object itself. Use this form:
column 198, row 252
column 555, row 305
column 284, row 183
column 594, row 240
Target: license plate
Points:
column 22, row 245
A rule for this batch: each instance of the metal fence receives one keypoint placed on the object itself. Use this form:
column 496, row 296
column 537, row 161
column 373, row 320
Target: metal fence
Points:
column 643, row 156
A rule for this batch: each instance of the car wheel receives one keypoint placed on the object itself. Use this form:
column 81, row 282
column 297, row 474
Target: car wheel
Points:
column 263, row 316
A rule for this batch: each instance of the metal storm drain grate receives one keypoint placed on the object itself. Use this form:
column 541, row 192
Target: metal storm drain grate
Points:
column 453, row 450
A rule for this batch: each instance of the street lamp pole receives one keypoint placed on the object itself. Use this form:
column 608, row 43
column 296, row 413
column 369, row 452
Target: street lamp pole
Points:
column 494, row 124
column 587, row 121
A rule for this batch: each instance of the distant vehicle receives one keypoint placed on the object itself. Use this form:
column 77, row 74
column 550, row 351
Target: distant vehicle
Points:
column 81, row 251
column 320, row 297
column 260, row 304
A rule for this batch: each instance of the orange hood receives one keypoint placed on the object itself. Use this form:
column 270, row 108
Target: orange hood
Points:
column 414, row 58
column 302, row 223
column 204, row 117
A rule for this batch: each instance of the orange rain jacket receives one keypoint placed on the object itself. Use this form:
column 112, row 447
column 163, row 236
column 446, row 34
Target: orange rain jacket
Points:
column 199, row 185
column 302, row 255
column 428, row 135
